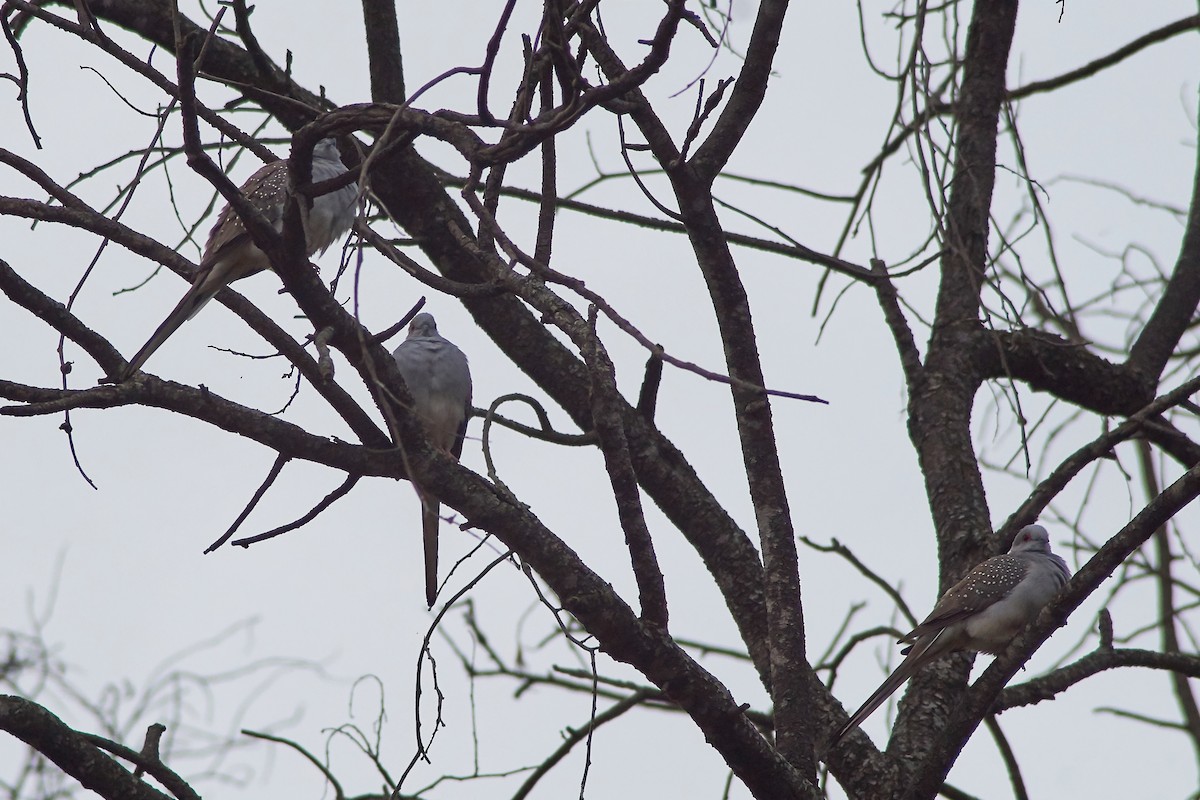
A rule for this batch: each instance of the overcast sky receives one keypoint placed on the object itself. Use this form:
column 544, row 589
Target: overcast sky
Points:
column 344, row 593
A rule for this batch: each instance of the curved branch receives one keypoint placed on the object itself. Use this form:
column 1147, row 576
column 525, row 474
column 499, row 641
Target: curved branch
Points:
column 941, row 108
column 1009, row 758
column 1068, row 370
column 1047, row 687
column 790, row 249
column 325, row 502
column 338, row 793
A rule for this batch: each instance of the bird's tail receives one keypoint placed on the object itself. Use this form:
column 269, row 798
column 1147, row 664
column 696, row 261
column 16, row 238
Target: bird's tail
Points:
column 917, row 656
column 429, row 532
column 200, row 293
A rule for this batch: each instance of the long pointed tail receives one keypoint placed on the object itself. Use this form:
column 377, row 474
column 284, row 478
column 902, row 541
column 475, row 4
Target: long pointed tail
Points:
column 919, row 654
column 429, row 532
column 200, row 293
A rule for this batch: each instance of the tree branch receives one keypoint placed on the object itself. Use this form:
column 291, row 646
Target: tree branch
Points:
column 747, row 96
column 383, row 51
column 71, row 751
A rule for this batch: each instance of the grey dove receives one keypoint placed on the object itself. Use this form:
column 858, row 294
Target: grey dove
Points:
column 982, row 612
column 230, row 253
column 439, row 381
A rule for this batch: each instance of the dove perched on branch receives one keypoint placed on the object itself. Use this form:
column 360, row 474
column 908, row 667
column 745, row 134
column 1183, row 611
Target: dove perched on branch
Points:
column 439, row 381
column 983, row 612
column 230, row 253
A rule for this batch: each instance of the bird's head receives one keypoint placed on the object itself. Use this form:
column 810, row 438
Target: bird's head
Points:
column 1031, row 539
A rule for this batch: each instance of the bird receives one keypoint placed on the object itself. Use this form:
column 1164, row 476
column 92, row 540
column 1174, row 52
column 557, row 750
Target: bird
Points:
column 439, row 380
column 983, row 612
column 230, row 253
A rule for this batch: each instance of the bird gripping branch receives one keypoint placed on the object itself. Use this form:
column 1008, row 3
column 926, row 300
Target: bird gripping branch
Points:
column 439, row 381
column 983, row 612
column 230, row 253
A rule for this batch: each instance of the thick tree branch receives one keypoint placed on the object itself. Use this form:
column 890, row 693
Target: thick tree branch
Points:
column 1047, row 362
column 748, row 93
column 940, row 408
column 71, row 751
column 1173, row 442
column 964, row 259
column 382, row 32
column 147, row 761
